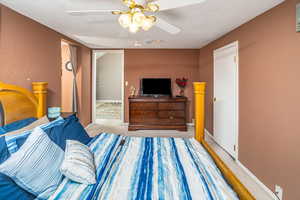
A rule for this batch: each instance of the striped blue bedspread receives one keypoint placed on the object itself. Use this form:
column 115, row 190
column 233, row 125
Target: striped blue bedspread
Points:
column 134, row 168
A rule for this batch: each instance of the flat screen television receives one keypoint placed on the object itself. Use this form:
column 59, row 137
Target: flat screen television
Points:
column 156, row 87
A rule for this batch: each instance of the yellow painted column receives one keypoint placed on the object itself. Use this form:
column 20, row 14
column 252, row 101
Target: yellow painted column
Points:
column 39, row 89
column 199, row 92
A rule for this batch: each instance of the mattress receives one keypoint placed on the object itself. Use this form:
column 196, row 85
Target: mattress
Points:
column 149, row 168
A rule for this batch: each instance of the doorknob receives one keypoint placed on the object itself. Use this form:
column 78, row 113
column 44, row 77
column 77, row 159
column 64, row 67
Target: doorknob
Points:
column 215, row 99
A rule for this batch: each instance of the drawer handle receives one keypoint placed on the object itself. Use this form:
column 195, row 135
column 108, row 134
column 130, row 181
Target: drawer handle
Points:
column 171, row 117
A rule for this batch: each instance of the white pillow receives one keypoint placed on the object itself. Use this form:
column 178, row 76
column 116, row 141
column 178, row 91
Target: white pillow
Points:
column 35, row 166
column 78, row 164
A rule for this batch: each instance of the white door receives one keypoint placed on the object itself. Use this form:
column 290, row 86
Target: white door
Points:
column 226, row 98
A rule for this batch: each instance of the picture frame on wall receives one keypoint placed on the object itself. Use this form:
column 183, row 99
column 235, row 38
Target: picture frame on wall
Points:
column 298, row 17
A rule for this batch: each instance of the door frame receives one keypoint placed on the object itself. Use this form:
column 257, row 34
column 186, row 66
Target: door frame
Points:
column 236, row 46
column 94, row 77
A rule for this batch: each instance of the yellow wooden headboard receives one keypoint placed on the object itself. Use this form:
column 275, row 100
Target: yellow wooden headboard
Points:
column 17, row 103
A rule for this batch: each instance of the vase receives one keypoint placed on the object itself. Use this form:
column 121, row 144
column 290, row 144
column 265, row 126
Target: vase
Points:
column 181, row 93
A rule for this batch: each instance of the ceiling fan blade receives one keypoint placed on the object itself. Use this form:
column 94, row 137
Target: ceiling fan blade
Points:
column 162, row 24
column 90, row 12
column 166, row 5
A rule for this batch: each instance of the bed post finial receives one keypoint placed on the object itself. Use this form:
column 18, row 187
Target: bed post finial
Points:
column 199, row 91
column 39, row 89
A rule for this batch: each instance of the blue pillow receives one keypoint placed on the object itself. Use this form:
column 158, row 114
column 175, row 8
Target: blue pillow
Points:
column 4, row 154
column 71, row 129
column 10, row 190
column 14, row 142
column 16, row 125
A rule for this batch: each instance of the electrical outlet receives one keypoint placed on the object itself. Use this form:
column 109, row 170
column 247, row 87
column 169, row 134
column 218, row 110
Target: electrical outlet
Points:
column 278, row 192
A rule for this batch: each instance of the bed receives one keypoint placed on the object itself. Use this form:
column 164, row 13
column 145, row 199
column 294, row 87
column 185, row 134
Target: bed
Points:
column 17, row 103
column 139, row 168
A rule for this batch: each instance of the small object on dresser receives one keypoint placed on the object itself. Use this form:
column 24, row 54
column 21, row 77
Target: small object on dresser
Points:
column 181, row 83
column 132, row 91
column 53, row 112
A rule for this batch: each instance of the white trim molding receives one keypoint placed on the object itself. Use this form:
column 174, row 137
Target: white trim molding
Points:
column 94, row 81
column 263, row 186
column 125, row 124
column 245, row 169
column 206, row 132
column 190, row 124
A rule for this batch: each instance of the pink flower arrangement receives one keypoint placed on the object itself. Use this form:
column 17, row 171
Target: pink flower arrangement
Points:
column 181, row 82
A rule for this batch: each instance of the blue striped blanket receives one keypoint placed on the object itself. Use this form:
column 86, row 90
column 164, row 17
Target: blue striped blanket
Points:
column 134, row 168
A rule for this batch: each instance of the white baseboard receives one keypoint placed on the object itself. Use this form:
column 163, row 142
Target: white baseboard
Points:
column 265, row 188
column 206, row 132
column 190, row 124
column 125, row 124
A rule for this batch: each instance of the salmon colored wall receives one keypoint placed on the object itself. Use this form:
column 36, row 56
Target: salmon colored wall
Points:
column 269, row 96
column 66, row 80
column 32, row 52
column 160, row 63
column 85, row 84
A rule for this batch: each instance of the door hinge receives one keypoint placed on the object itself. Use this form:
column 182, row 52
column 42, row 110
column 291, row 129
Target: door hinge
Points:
column 235, row 59
column 234, row 148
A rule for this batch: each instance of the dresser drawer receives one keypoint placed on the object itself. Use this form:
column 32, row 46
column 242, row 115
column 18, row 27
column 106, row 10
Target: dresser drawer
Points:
column 143, row 106
column 144, row 121
column 171, row 106
column 171, row 120
column 143, row 114
column 171, row 114
column 153, row 121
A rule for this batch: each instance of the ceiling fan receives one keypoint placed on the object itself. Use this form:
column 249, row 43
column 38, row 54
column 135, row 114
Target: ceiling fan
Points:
column 141, row 14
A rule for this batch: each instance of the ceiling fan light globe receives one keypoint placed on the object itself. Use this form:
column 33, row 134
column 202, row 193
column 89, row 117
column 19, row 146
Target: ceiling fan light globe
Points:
column 138, row 18
column 148, row 23
column 128, row 3
column 153, row 7
column 133, row 28
column 125, row 20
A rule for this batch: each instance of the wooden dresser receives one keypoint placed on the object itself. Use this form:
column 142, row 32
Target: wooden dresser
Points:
column 160, row 113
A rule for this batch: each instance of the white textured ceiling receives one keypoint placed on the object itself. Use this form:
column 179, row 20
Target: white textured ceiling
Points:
column 200, row 23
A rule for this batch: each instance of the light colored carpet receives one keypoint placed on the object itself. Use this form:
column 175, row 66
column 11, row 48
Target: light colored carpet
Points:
column 108, row 110
column 95, row 129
